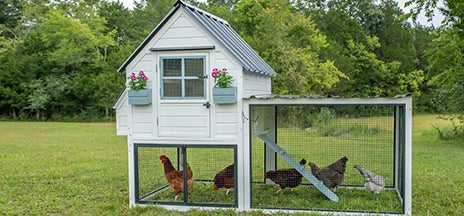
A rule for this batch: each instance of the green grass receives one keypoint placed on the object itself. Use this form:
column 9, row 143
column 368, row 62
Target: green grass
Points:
column 81, row 169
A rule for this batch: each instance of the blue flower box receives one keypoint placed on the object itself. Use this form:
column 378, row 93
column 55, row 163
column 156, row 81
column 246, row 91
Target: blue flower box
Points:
column 140, row 97
column 225, row 95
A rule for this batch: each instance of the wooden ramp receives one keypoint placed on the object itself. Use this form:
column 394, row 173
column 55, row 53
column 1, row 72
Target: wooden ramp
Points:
column 300, row 168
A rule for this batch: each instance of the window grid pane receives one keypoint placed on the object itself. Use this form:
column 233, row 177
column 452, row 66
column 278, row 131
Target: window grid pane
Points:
column 194, row 88
column 194, row 67
column 172, row 67
column 183, row 78
column 172, row 88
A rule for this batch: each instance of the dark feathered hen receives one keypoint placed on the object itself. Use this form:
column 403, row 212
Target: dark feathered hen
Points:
column 332, row 175
column 372, row 182
column 286, row 177
column 225, row 178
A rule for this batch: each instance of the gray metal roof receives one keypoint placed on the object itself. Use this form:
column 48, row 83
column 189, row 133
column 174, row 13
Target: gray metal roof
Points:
column 317, row 96
column 228, row 37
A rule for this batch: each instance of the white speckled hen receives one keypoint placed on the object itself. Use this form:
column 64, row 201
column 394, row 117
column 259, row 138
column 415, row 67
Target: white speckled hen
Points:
column 372, row 182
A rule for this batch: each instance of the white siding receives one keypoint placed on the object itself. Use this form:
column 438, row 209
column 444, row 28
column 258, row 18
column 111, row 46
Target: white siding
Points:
column 181, row 32
column 256, row 84
column 142, row 121
column 222, row 61
column 226, row 121
column 122, row 115
column 146, row 64
column 226, row 117
column 180, row 120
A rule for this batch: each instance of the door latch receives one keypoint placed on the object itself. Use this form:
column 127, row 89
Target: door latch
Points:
column 207, row 104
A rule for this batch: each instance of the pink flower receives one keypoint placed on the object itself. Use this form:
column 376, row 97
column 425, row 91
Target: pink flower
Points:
column 213, row 74
column 224, row 69
column 137, row 82
column 133, row 76
column 215, row 70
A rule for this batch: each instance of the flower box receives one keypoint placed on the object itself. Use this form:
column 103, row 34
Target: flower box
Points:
column 140, row 97
column 225, row 95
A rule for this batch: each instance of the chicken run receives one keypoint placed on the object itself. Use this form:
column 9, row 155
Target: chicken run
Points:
column 355, row 151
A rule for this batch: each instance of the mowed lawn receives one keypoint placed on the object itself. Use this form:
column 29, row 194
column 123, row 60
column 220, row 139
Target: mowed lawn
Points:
column 49, row 168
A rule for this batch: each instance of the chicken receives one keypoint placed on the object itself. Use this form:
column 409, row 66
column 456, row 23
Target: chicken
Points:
column 289, row 177
column 332, row 175
column 225, row 178
column 372, row 182
column 175, row 178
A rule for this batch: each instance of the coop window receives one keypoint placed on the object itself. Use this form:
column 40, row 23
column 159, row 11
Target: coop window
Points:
column 183, row 77
column 205, row 161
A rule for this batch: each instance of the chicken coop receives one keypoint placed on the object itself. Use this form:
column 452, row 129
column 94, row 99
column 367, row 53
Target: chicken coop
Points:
column 373, row 133
column 193, row 145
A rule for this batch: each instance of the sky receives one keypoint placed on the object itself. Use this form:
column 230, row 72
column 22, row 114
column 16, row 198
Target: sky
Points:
column 437, row 18
column 436, row 21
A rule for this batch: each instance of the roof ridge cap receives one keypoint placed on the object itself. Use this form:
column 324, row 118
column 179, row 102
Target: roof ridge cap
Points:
column 203, row 12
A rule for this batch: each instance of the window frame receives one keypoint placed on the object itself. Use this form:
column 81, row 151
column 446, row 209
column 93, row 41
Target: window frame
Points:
column 182, row 77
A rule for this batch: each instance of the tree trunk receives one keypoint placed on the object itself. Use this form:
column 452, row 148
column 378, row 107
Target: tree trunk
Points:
column 13, row 113
column 37, row 114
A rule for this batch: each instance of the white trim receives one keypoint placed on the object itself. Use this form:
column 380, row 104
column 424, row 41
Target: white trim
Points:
column 408, row 157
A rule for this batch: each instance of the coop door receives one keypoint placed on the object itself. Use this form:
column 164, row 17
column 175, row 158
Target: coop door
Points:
column 183, row 111
column 178, row 120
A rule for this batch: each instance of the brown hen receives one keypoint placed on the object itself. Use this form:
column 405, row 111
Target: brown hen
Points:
column 175, row 178
column 225, row 178
column 289, row 177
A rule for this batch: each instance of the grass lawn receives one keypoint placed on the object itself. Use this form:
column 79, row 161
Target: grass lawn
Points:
column 49, row 168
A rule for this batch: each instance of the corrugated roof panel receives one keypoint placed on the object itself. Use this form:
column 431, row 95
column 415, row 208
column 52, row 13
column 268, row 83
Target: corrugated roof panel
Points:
column 316, row 96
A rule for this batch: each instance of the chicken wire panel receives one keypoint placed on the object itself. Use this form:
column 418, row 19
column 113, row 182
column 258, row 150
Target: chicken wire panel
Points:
column 365, row 134
column 152, row 185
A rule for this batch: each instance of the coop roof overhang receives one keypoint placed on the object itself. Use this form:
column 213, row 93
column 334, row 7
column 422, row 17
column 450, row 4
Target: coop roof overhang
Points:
column 160, row 49
column 270, row 99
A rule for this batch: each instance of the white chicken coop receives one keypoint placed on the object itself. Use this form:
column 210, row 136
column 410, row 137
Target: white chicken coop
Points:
column 181, row 116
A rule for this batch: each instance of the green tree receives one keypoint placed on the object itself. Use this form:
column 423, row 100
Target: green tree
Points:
column 366, row 12
column 146, row 16
column 446, row 69
column 71, row 42
column 290, row 42
column 50, row 44
column 362, row 47
column 396, row 38
column 43, row 93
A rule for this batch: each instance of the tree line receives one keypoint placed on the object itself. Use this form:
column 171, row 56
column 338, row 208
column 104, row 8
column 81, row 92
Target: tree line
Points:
column 58, row 58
